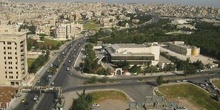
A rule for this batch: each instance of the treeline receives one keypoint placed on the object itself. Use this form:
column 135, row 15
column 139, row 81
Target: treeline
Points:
column 207, row 36
column 40, row 61
column 187, row 66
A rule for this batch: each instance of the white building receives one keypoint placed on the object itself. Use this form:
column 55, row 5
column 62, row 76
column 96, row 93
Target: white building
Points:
column 135, row 53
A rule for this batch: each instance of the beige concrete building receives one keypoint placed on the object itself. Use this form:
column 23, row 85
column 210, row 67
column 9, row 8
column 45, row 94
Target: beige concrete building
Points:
column 181, row 48
column 13, row 56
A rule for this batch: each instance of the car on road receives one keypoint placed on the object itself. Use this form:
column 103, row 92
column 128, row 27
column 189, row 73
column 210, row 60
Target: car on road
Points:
column 67, row 68
column 69, row 61
column 23, row 100
column 35, row 97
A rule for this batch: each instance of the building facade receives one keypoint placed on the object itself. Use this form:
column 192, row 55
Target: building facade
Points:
column 13, row 56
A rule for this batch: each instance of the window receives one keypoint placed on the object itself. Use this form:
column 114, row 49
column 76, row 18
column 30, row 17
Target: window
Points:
column 9, row 43
column 10, row 77
column 10, row 62
column 16, row 77
column 16, row 67
column 4, row 52
column 4, row 47
column 16, row 57
column 15, row 53
column 15, row 48
column 9, row 57
column 9, row 53
column 5, row 72
column 16, row 63
column 5, row 62
column 4, row 57
column 17, row 72
column 5, row 76
column 10, row 72
column 5, row 67
column 10, row 67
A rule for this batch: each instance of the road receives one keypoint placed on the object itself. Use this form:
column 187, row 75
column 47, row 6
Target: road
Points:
column 60, row 75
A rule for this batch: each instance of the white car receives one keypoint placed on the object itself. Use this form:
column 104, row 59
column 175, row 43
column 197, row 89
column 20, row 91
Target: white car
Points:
column 35, row 97
column 95, row 105
column 67, row 68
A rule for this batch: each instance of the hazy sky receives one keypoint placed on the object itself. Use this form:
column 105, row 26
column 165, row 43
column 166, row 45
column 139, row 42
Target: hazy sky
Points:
column 214, row 3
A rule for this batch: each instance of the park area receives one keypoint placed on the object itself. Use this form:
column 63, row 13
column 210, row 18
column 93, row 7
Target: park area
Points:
column 189, row 96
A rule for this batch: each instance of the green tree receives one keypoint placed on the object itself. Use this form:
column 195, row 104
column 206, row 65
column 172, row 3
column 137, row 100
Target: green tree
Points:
column 135, row 69
column 93, row 80
column 159, row 80
column 103, row 80
column 83, row 102
column 189, row 69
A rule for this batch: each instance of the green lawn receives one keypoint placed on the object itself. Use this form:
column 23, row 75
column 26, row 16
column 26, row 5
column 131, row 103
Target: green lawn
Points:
column 91, row 25
column 191, row 93
column 52, row 42
column 216, row 83
column 30, row 61
column 111, row 94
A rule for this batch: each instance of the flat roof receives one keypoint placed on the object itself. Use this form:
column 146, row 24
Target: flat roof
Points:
column 17, row 34
column 6, row 93
column 111, row 51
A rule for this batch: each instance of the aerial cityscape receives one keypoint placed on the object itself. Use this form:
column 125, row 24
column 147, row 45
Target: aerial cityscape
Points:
column 109, row 55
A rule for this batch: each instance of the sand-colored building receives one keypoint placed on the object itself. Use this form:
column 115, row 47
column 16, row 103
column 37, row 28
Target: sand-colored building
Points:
column 13, row 56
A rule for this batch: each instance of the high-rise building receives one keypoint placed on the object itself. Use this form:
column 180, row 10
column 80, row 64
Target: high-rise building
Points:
column 13, row 56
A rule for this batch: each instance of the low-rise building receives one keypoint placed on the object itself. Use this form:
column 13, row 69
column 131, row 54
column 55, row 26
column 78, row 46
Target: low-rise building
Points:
column 134, row 53
column 181, row 48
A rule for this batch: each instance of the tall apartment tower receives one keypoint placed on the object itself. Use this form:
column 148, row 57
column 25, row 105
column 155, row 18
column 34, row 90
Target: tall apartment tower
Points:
column 13, row 56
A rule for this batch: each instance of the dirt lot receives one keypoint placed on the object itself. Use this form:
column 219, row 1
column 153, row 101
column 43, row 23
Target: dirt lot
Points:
column 107, row 104
column 112, row 104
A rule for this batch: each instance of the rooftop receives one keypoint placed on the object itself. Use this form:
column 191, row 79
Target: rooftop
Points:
column 7, row 93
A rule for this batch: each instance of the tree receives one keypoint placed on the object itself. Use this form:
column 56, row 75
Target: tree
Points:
column 135, row 69
column 189, row 69
column 199, row 65
column 103, row 80
column 83, row 102
column 159, row 80
column 92, row 80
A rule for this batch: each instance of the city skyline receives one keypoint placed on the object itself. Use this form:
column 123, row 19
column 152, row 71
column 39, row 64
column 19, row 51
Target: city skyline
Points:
column 209, row 3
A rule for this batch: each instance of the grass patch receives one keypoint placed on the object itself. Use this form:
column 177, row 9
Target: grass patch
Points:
column 51, row 42
column 91, row 25
column 191, row 93
column 30, row 61
column 111, row 94
column 216, row 83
